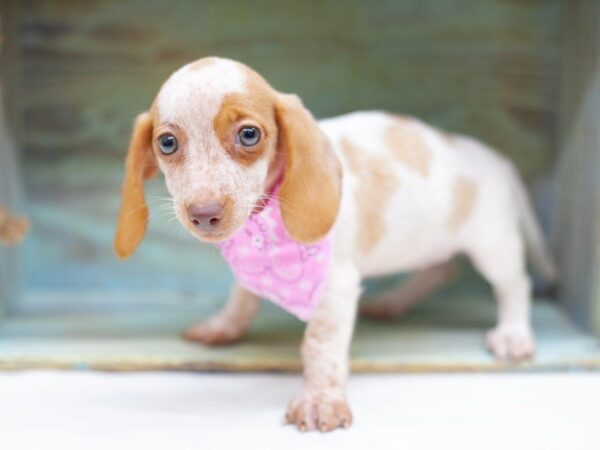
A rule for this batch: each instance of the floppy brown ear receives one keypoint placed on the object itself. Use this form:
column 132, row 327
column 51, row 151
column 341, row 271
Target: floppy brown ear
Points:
column 311, row 190
column 140, row 164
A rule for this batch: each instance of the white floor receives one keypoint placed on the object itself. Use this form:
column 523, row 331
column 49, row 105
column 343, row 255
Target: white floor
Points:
column 86, row 410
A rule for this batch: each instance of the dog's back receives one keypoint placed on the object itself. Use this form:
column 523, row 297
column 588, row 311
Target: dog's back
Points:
column 418, row 195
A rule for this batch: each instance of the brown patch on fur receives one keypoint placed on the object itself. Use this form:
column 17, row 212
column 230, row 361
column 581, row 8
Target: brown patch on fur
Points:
column 254, row 108
column 373, row 193
column 408, row 146
column 140, row 164
column 464, row 196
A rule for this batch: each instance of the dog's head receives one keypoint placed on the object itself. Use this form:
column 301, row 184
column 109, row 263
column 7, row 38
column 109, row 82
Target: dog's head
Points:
column 223, row 138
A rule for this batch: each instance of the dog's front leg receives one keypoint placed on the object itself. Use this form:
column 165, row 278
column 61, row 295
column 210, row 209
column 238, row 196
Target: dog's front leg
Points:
column 231, row 323
column 322, row 402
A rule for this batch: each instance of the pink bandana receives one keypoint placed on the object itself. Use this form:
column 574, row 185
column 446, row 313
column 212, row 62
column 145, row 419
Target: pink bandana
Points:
column 267, row 261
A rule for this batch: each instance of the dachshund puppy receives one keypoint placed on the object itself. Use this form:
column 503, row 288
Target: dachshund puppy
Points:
column 303, row 210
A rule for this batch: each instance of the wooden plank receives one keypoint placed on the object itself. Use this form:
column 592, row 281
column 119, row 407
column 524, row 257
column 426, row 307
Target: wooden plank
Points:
column 444, row 334
column 578, row 181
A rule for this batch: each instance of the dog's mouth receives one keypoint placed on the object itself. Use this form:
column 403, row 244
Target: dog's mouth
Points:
column 213, row 237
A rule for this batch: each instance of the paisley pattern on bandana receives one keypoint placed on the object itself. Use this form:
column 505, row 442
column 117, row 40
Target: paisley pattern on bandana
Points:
column 268, row 262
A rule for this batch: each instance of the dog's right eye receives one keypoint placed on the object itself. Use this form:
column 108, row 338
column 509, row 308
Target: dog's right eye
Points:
column 167, row 144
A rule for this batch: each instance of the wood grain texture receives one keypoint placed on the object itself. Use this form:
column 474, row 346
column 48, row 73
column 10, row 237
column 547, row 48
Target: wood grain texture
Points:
column 444, row 334
column 488, row 68
column 82, row 71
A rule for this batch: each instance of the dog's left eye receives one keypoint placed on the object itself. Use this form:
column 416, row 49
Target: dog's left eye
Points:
column 248, row 136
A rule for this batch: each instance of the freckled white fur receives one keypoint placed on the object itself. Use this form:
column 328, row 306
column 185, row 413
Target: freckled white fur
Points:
column 417, row 214
column 191, row 98
column 198, row 92
column 418, row 237
column 416, row 218
column 416, row 222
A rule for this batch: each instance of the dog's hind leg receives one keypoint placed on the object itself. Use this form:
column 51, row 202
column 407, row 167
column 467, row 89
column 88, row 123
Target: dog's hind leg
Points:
column 418, row 287
column 502, row 263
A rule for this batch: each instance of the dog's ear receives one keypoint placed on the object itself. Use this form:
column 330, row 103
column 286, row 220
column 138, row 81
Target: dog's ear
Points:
column 139, row 165
column 311, row 190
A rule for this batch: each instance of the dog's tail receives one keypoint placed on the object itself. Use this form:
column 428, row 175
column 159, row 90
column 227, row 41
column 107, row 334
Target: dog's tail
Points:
column 540, row 256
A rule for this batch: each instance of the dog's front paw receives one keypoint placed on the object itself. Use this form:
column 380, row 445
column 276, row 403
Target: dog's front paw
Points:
column 318, row 411
column 217, row 330
column 509, row 342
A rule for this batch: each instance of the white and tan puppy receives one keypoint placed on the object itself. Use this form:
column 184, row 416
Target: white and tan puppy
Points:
column 397, row 194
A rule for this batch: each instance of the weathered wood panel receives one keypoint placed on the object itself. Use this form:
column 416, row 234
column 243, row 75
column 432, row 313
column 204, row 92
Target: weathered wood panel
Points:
column 441, row 335
column 488, row 68
column 578, row 182
column 84, row 69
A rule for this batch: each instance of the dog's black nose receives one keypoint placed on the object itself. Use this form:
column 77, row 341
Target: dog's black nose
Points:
column 205, row 217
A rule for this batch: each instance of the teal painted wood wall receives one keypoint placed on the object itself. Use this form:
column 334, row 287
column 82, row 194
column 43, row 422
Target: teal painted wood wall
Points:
column 578, row 180
column 80, row 71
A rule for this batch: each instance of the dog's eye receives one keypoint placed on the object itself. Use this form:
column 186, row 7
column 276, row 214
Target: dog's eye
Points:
column 248, row 136
column 167, row 144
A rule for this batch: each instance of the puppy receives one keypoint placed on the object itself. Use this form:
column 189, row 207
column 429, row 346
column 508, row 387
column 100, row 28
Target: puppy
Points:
column 303, row 210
